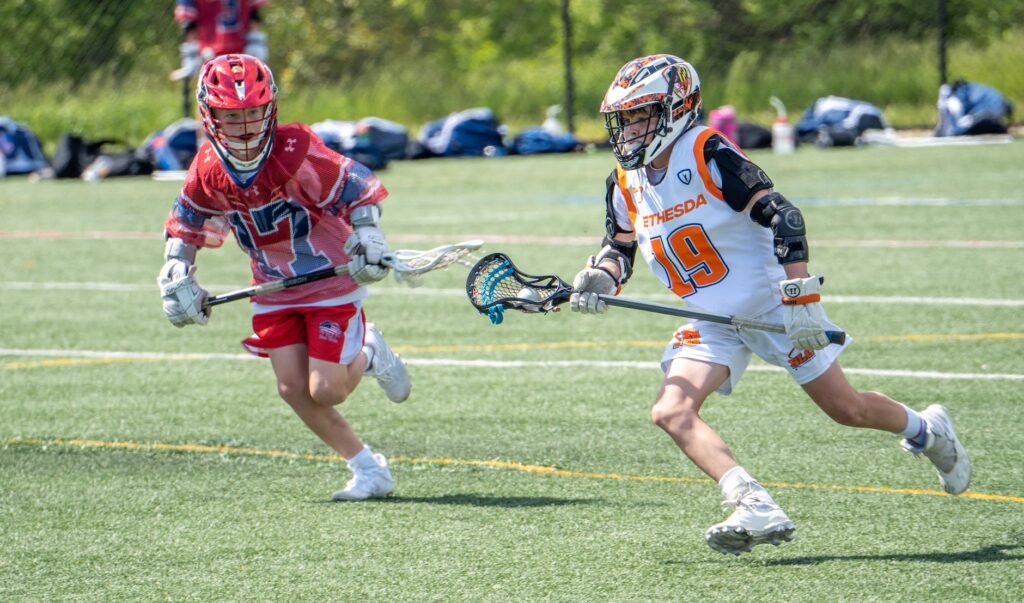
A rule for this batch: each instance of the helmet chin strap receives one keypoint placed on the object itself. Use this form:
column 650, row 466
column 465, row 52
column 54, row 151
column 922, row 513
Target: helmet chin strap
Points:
column 242, row 172
column 237, row 144
column 246, row 165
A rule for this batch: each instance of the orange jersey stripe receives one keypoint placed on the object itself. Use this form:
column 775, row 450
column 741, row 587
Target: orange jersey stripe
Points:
column 624, row 189
column 702, row 164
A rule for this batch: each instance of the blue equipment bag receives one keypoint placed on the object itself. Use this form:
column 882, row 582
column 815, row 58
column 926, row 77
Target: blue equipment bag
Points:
column 539, row 140
column 20, row 147
column 838, row 121
column 173, row 147
column 967, row 108
column 371, row 141
column 473, row 132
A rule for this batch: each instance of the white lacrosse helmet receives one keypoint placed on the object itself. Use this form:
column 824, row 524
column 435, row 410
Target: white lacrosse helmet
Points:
column 670, row 86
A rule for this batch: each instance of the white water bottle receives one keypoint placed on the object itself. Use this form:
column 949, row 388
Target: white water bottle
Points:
column 783, row 139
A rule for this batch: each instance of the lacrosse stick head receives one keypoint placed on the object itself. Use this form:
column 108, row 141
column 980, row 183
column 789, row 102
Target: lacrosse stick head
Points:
column 495, row 284
column 409, row 264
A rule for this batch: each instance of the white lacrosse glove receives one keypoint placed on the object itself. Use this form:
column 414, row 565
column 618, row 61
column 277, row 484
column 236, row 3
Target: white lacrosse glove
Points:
column 256, row 45
column 366, row 248
column 190, row 59
column 588, row 284
column 182, row 295
column 802, row 312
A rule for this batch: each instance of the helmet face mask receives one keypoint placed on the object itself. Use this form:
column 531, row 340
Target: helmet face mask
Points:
column 242, row 132
column 632, row 131
column 238, row 104
column 670, row 87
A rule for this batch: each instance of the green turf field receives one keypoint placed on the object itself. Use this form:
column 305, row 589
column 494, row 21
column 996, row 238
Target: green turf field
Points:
column 142, row 462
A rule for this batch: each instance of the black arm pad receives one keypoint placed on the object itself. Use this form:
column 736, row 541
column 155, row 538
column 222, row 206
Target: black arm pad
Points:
column 787, row 223
column 611, row 226
column 741, row 178
column 624, row 254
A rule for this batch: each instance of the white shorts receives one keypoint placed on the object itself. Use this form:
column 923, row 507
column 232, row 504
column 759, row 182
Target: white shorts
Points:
column 731, row 347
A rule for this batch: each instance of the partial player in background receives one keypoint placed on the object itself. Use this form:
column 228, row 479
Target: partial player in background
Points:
column 211, row 28
column 215, row 27
column 707, row 222
column 294, row 206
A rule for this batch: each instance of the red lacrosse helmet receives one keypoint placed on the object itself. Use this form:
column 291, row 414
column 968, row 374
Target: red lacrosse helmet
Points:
column 240, row 89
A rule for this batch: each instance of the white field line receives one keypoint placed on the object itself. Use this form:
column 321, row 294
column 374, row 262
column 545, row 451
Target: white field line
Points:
column 82, row 235
column 438, row 292
column 491, row 239
column 502, row 364
column 905, row 202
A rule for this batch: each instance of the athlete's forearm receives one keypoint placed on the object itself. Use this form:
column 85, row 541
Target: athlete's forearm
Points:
column 796, row 270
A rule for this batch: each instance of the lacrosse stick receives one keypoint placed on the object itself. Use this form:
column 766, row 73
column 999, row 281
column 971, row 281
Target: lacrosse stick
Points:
column 495, row 284
column 407, row 264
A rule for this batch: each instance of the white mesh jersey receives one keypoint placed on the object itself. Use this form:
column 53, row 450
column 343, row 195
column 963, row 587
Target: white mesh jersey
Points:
column 701, row 249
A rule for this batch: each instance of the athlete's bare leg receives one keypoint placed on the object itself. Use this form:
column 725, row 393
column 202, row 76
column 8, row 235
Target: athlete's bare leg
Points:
column 686, row 385
column 292, row 368
column 847, row 406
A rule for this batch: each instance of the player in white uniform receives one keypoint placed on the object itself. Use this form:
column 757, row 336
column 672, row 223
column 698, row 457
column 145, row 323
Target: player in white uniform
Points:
column 709, row 225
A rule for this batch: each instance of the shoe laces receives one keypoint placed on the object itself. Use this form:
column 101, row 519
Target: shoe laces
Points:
column 366, row 478
column 745, row 499
column 385, row 375
column 731, row 504
column 942, row 452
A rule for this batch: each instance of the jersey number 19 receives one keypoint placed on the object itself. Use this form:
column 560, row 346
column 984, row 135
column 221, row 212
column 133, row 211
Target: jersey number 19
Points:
column 689, row 259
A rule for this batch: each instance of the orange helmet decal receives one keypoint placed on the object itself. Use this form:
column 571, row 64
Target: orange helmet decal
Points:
column 666, row 83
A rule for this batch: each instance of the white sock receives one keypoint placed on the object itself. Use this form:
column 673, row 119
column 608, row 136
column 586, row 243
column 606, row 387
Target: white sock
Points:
column 915, row 431
column 738, row 480
column 369, row 357
column 362, row 461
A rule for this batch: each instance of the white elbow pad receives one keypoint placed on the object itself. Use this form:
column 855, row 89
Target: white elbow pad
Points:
column 365, row 215
column 177, row 249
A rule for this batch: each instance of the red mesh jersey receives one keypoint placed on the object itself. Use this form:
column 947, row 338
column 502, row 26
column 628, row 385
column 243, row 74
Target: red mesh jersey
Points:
column 292, row 219
column 221, row 25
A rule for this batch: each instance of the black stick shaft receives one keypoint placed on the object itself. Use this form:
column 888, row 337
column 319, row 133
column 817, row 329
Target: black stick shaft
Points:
column 287, row 283
column 837, row 337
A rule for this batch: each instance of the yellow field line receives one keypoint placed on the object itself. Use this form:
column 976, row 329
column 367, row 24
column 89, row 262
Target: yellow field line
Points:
column 561, row 345
column 943, row 337
column 508, row 465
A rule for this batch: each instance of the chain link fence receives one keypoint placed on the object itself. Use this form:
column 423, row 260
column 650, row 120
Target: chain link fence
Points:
column 73, row 42
column 413, row 60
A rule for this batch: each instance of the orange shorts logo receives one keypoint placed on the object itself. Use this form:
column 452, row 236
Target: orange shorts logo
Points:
column 686, row 336
column 798, row 358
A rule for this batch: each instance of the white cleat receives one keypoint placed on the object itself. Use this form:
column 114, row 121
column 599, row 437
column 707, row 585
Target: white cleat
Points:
column 756, row 519
column 375, row 483
column 388, row 368
column 944, row 450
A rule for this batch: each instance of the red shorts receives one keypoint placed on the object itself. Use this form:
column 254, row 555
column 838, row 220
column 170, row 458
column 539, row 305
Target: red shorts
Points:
column 332, row 333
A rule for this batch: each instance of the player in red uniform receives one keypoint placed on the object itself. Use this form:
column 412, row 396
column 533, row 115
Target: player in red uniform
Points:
column 294, row 206
column 216, row 27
